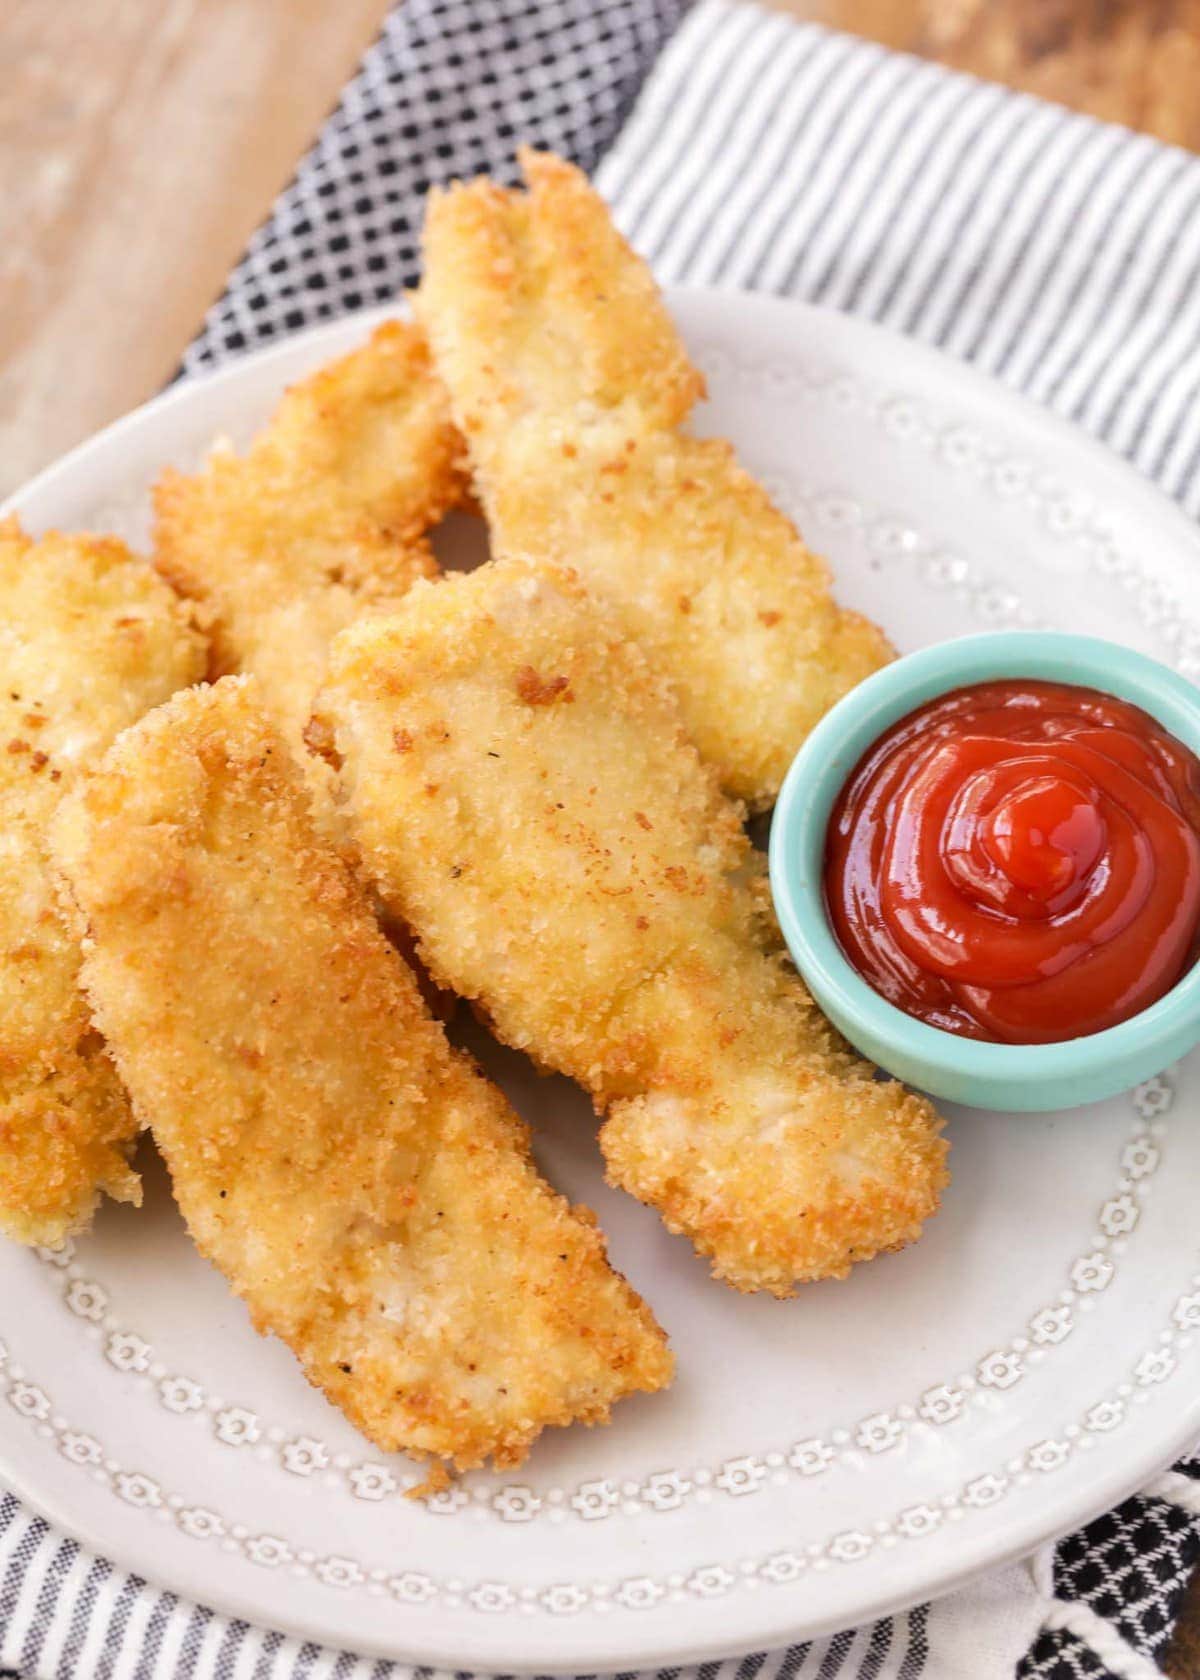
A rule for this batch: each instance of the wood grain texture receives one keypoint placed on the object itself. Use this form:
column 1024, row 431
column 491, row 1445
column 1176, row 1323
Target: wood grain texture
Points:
column 141, row 141
column 1182, row 1661
column 1129, row 61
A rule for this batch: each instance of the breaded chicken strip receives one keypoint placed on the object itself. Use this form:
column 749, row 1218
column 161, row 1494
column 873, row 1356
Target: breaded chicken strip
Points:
column 365, row 1190
column 570, row 383
column 523, row 792
column 89, row 640
column 326, row 516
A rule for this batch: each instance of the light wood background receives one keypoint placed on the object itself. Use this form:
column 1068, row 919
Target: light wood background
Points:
column 141, row 142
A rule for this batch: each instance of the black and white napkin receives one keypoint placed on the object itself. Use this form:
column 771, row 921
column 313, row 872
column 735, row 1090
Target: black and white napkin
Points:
column 449, row 90
column 1060, row 254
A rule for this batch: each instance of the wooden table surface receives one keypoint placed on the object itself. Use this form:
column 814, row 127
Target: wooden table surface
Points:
column 141, row 141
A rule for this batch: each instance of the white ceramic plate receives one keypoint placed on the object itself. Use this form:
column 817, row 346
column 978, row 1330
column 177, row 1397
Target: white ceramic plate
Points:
column 1033, row 1359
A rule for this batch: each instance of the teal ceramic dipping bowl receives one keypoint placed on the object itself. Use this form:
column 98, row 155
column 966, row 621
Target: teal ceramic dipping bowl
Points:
column 1034, row 1077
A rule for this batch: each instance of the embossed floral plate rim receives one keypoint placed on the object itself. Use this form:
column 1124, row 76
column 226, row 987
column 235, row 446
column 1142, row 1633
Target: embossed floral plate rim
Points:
column 771, row 1617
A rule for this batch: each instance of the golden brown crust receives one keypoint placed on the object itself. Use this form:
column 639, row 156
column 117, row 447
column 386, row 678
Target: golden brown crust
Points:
column 536, row 305
column 573, row 868
column 570, row 383
column 327, row 515
column 366, row 1191
column 89, row 640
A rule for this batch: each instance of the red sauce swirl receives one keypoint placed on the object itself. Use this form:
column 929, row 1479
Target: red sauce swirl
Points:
column 1019, row 861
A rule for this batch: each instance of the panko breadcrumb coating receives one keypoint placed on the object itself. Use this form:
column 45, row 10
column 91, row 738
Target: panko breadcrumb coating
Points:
column 364, row 1189
column 327, row 515
column 89, row 640
column 570, row 382
column 522, row 790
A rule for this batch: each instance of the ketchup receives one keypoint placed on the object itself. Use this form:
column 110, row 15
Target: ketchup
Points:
column 1020, row 862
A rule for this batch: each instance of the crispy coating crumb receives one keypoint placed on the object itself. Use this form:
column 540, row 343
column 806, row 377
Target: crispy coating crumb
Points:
column 326, row 516
column 89, row 640
column 364, row 1189
column 438, row 1480
column 570, row 383
column 575, row 871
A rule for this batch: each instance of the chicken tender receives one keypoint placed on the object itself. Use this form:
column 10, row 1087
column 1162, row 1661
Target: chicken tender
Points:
column 364, row 1189
column 570, row 383
column 326, row 516
column 523, row 792
column 89, row 640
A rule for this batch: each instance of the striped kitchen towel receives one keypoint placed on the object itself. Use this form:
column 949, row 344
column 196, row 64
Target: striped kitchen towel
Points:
column 1060, row 254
